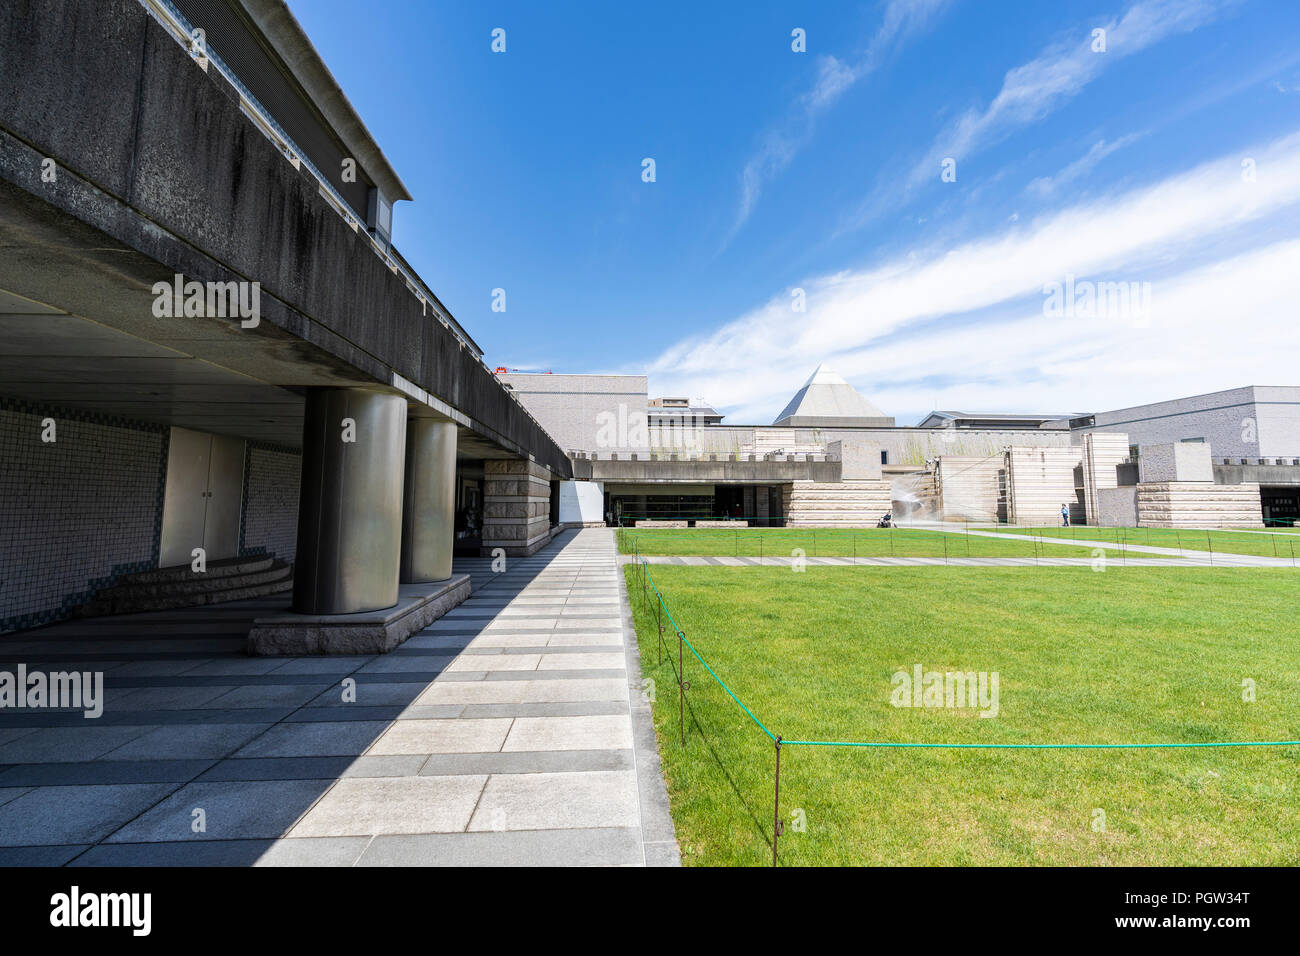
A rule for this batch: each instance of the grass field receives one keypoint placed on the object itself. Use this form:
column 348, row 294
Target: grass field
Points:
column 1136, row 655
column 1230, row 542
column 835, row 542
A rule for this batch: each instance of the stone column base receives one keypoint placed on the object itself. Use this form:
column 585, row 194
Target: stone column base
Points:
column 363, row 632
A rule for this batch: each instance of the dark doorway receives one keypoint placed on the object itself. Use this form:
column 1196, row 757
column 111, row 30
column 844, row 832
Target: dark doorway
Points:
column 1280, row 505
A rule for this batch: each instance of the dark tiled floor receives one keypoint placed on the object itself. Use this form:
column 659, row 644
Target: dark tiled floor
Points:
column 501, row 734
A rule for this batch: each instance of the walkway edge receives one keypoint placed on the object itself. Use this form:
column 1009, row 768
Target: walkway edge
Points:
column 659, row 838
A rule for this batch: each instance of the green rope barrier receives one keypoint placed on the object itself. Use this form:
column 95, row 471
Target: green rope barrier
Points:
column 645, row 566
column 854, row 743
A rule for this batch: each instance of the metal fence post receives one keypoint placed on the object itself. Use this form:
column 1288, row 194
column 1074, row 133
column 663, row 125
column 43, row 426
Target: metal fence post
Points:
column 777, row 826
column 681, row 685
column 659, row 619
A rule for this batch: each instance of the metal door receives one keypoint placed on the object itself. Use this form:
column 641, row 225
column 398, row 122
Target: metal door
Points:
column 185, row 500
column 225, row 497
column 203, row 497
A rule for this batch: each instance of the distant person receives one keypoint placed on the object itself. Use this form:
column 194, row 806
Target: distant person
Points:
column 1065, row 517
column 886, row 521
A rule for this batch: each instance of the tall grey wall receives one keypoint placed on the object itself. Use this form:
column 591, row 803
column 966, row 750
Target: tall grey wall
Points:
column 902, row 446
column 74, row 512
column 1277, row 410
column 1251, row 422
column 604, row 414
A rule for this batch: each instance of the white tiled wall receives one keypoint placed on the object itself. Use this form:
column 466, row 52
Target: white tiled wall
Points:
column 271, row 501
column 73, row 512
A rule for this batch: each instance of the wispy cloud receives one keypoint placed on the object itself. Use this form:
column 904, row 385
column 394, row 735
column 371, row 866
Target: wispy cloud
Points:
column 896, row 320
column 1032, row 91
column 779, row 146
column 1046, row 185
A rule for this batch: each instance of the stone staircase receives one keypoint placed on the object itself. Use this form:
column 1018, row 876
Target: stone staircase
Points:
column 231, row 579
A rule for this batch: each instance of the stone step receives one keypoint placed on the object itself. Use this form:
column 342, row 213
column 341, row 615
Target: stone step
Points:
column 215, row 569
column 198, row 583
column 267, row 577
column 242, row 593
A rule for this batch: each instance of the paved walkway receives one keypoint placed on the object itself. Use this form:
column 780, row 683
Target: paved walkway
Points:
column 1125, row 555
column 1187, row 555
column 509, row 732
column 847, row 562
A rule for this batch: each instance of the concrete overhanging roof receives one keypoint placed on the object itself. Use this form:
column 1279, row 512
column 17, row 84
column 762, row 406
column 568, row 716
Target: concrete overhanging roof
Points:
column 948, row 414
column 288, row 39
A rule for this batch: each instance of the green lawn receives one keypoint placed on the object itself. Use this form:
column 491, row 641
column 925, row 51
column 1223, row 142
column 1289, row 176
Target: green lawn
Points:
column 1135, row 655
column 835, row 542
column 1232, row 542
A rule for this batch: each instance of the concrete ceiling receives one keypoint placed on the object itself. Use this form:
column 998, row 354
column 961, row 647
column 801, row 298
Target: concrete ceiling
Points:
column 52, row 357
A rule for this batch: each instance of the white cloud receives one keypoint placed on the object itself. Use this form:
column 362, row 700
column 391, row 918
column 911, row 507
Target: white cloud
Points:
column 902, row 18
column 895, row 321
column 1213, row 327
column 1035, row 89
column 1046, row 185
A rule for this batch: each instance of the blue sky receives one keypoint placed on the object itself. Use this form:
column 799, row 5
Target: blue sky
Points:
column 1169, row 162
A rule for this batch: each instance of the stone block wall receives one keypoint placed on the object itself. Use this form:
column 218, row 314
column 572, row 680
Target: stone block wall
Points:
column 516, row 505
column 1102, row 453
column 847, row 504
column 971, row 488
column 858, row 459
column 1116, row 507
column 1198, row 504
column 1039, row 481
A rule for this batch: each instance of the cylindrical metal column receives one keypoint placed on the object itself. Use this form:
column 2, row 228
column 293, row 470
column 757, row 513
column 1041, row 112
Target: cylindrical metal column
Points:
column 350, row 504
column 429, row 500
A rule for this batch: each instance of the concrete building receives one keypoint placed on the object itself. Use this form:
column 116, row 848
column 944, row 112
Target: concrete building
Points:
column 1255, row 422
column 218, row 378
column 586, row 413
column 682, row 412
column 848, row 469
column 1249, row 436
column 954, row 419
